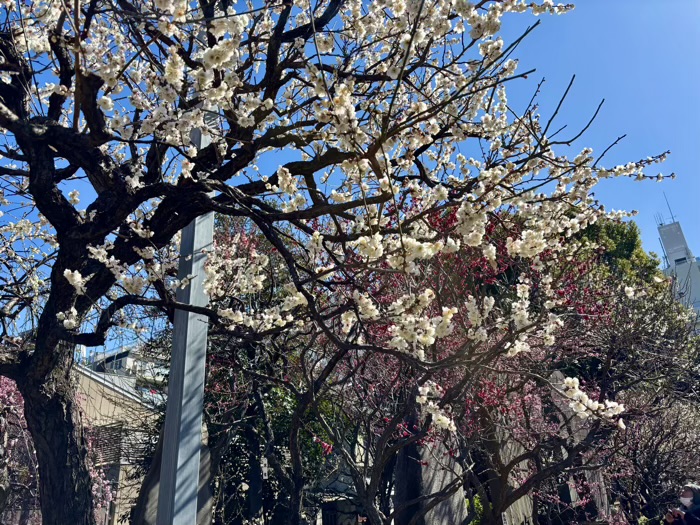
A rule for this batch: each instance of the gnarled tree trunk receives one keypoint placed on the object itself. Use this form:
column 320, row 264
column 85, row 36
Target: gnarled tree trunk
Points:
column 53, row 419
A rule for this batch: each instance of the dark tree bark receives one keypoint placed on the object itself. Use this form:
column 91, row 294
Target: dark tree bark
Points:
column 54, row 421
column 407, row 485
column 428, row 490
column 255, row 491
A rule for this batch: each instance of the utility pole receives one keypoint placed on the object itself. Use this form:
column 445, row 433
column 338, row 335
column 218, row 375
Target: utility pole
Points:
column 182, row 441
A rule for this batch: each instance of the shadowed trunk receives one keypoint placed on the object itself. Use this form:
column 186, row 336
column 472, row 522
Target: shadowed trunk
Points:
column 53, row 419
column 255, row 490
column 407, row 485
column 296, row 498
column 419, row 473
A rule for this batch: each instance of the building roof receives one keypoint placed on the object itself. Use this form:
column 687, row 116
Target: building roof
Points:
column 113, row 382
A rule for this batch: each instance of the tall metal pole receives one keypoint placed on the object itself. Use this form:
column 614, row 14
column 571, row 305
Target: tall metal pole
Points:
column 182, row 440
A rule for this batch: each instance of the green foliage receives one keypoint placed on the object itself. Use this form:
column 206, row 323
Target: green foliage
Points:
column 623, row 253
column 478, row 509
column 280, row 405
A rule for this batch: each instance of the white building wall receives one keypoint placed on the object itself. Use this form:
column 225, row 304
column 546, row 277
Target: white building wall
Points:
column 681, row 264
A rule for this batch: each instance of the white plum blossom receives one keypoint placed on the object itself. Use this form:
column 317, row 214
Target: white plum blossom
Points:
column 348, row 320
column 427, row 393
column 325, row 43
column 365, row 306
column 472, row 225
column 516, row 347
column 521, row 313
column 174, row 69
column 106, row 103
column 69, row 319
column 285, row 181
column 235, row 316
column 370, row 247
column 74, row 197
column 530, row 244
column 294, row 300
column 230, row 274
column 76, row 280
column 584, row 407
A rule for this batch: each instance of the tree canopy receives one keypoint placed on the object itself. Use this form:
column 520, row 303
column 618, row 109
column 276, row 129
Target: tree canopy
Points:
column 361, row 145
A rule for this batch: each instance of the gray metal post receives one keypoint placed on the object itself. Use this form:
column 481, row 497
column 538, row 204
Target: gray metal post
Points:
column 182, row 441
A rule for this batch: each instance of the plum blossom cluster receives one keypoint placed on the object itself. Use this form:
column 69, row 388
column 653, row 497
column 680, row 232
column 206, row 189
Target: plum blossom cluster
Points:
column 230, row 274
column 584, row 407
column 76, row 280
column 69, row 319
column 369, row 170
column 414, row 331
column 428, row 397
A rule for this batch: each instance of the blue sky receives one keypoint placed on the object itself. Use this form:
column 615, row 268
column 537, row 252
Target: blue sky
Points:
column 643, row 58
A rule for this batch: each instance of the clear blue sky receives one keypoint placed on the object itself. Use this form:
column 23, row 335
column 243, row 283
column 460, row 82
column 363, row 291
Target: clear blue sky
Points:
column 643, row 58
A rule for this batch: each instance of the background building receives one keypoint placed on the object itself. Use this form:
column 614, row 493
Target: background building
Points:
column 680, row 264
column 118, row 392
